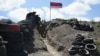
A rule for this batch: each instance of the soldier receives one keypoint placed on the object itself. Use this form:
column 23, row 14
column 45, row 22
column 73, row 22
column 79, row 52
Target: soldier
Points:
column 2, row 47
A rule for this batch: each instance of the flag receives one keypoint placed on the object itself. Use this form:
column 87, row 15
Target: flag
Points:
column 55, row 5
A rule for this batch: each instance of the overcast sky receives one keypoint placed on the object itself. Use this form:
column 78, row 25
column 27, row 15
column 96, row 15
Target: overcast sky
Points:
column 16, row 10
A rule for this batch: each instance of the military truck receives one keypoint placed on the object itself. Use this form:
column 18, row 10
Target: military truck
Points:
column 11, row 40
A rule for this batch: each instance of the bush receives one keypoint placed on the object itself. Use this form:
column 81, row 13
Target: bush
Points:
column 97, row 42
column 98, row 24
column 93, row 22
column 73, row 19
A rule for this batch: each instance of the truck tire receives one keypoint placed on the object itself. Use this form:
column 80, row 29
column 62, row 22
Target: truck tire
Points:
column 84, row 52
column 75, row 27
column 79, row 37
column 90, row 47
column 77, row 43
column 77, row 47
column 90, row 40
column 12, row 36
column 71, row 51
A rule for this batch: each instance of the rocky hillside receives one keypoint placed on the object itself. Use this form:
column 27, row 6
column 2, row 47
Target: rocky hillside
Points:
column 59, row 37
column 63, row 35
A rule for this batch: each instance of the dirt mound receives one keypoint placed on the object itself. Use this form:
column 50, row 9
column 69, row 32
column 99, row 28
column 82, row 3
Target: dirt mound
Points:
column 62, row 35
column 59, row 38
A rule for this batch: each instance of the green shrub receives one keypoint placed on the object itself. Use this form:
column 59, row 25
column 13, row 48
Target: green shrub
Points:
column 73, row 19
column 97, row 42
column 98, row 24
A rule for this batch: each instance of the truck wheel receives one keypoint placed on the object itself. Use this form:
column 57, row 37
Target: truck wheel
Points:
column 77, row 43
column 84, row 52
column 76, row 47
column 90, row 47
column 90, row 40
column 72, row 51
column 79, row 37
column 75, row 27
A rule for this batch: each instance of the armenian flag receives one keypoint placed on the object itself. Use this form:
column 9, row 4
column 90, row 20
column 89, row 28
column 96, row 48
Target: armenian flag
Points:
column 55, row 5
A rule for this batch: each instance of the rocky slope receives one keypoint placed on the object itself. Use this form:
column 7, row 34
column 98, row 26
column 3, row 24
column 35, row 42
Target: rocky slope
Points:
column 58, row 39
column 62, row 36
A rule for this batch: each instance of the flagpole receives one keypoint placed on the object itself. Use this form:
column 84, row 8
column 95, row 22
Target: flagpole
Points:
column 50, row 10
column 54, row 5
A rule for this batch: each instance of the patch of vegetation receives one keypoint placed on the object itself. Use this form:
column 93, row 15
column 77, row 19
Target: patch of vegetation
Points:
column 97, row 24
column 97, row 42
column 73, row 19
column 93, row 22
column 60, row 19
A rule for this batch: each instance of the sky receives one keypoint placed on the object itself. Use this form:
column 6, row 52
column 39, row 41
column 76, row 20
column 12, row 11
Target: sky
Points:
column 16, row 10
